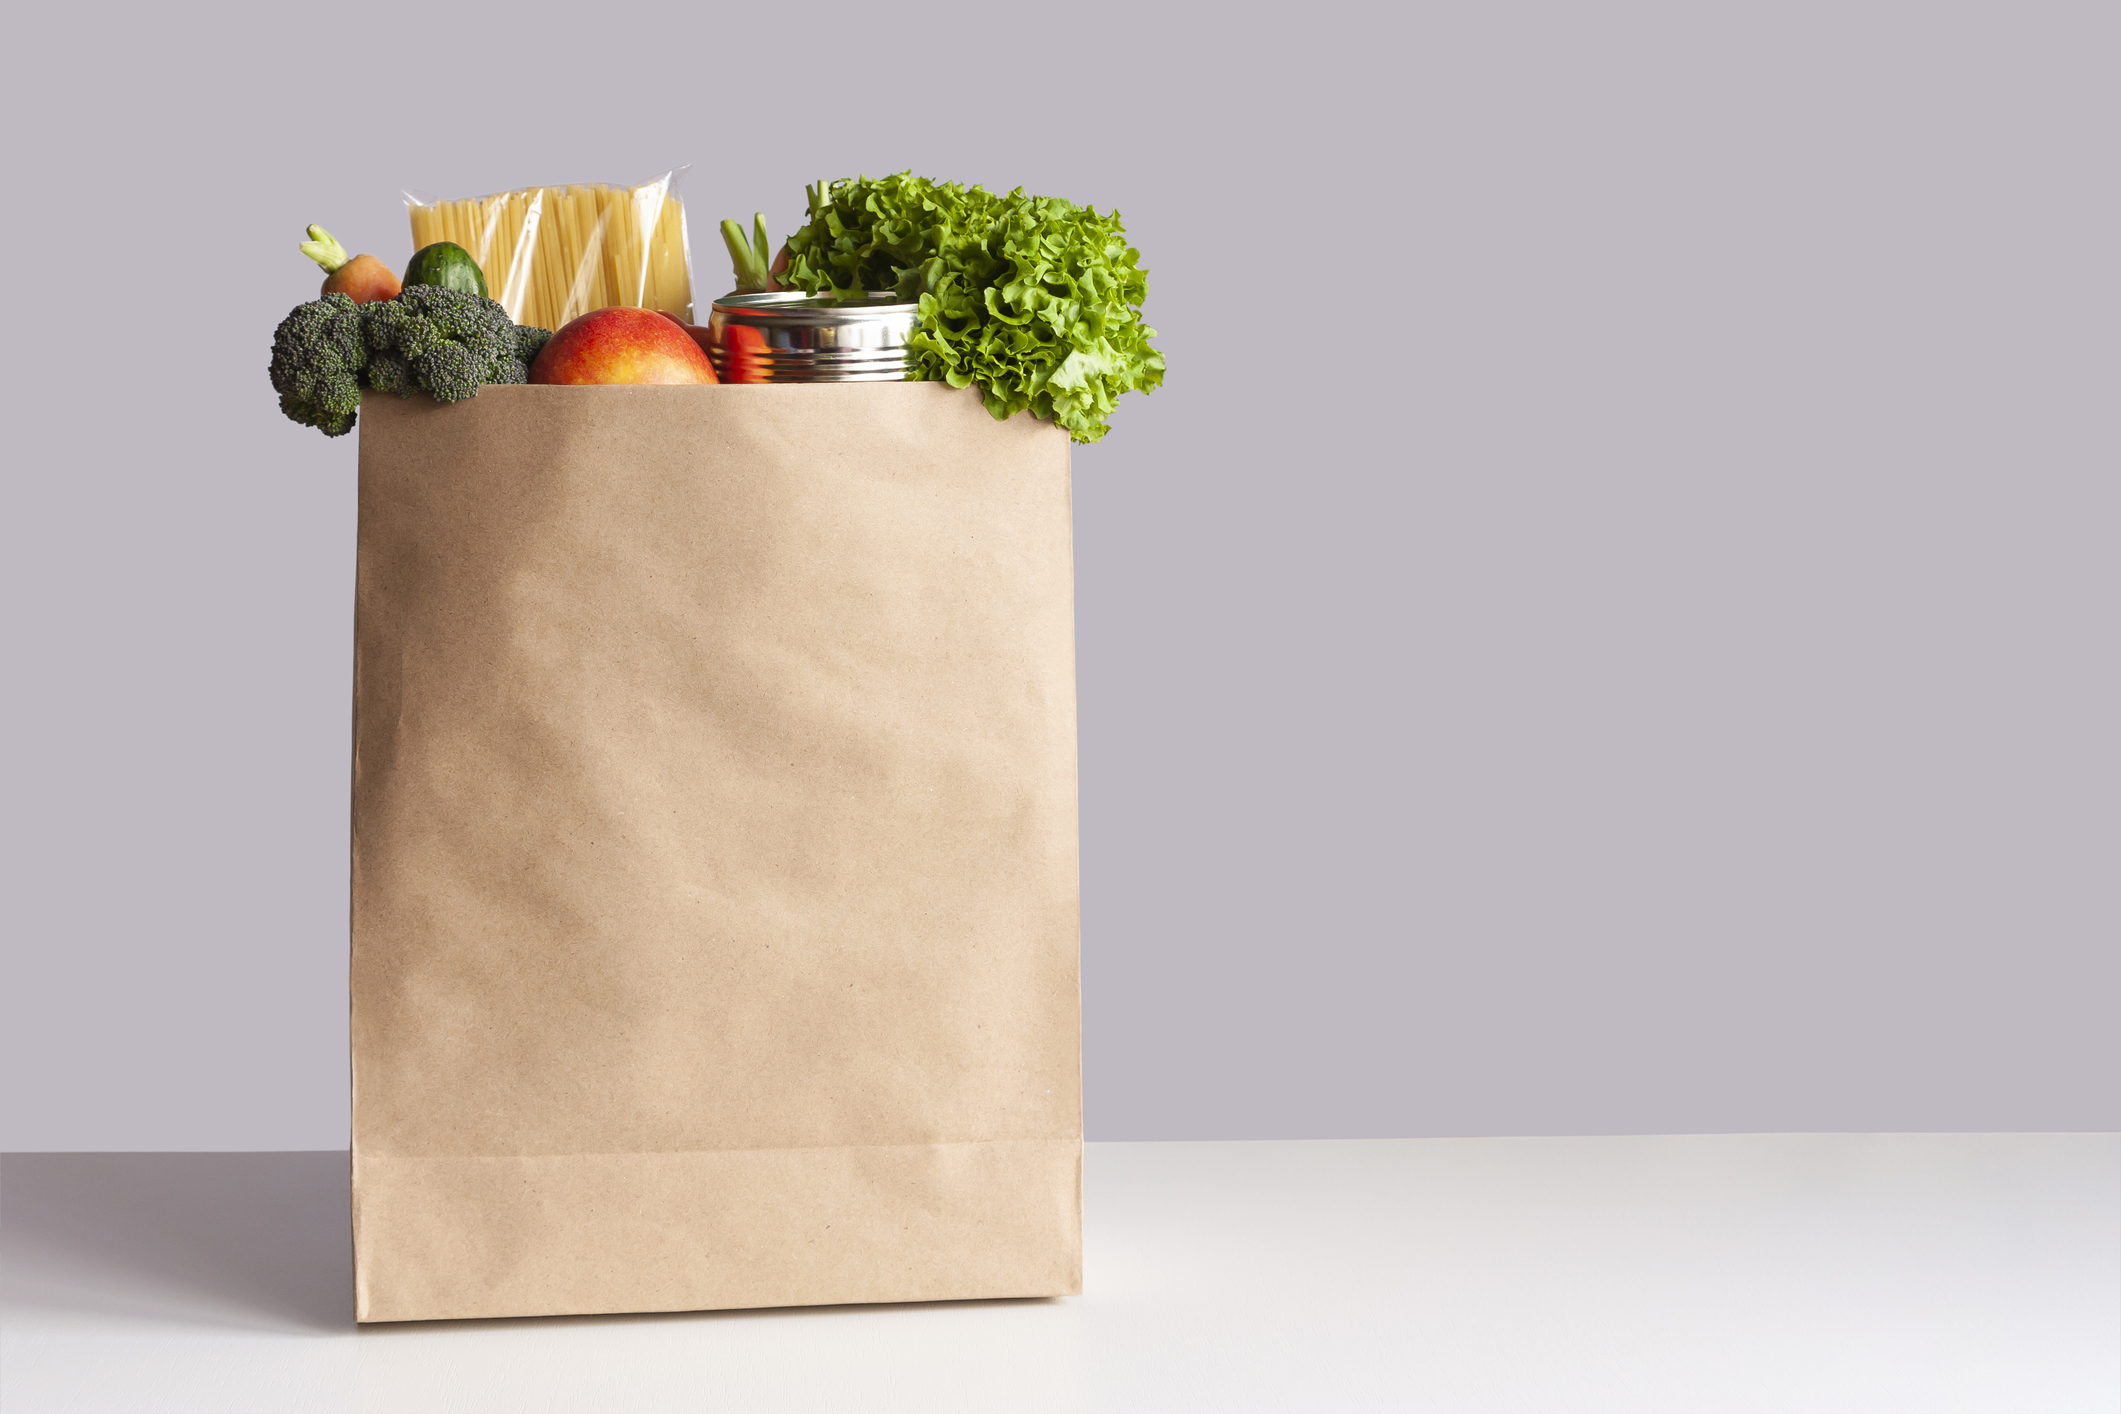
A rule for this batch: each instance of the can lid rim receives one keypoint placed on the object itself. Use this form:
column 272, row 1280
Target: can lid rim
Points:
column 795, row 302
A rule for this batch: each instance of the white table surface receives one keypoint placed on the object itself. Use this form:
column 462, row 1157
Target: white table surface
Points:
column 1845, row 1273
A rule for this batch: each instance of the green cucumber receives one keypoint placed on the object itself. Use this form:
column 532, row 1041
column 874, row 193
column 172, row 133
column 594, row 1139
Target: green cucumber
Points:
column 447, row 264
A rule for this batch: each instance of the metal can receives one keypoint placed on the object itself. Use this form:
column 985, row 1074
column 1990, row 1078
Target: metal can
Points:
column 791, row 337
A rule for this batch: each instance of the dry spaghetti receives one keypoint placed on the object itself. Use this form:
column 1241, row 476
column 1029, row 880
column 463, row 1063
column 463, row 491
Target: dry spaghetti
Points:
column 551, row 254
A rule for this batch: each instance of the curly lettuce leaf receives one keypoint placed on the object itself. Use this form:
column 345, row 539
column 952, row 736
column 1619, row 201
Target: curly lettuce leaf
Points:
column 1033, row 300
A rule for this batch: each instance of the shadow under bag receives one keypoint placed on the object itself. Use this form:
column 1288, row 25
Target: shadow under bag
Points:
column 715, row 902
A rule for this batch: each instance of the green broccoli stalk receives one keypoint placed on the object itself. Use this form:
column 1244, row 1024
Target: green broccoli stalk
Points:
column 318, row 357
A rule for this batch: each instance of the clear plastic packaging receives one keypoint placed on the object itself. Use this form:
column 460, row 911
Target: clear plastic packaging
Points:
column 551, row 254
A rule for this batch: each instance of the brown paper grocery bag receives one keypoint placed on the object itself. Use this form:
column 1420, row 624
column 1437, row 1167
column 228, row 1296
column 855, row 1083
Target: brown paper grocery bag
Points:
column 714, row 852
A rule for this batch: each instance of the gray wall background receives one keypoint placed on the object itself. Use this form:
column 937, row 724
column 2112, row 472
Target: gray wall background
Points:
column 1609, row 627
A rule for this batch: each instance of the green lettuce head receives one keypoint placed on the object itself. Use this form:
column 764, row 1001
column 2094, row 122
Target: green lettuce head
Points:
column 1033, row 300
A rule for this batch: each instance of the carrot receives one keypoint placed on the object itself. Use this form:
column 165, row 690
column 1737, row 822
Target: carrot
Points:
column 360, row 278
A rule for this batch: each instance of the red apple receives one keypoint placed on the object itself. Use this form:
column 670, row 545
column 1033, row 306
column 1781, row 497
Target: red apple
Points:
column 622, row 345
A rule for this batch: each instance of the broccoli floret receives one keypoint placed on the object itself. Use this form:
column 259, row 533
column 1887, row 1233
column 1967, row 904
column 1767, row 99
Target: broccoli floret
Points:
column 318, row 357
column 447, row 342
column 530, row 342
column 387, row 373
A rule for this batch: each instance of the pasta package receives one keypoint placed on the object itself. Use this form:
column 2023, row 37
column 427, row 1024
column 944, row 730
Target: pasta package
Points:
column 551, row 254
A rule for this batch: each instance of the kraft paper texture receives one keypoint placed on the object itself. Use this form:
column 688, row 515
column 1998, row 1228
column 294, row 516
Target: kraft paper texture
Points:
column 715, row 901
